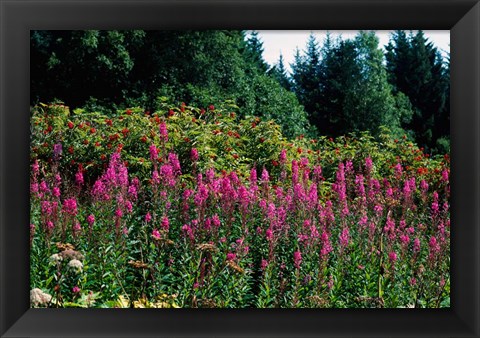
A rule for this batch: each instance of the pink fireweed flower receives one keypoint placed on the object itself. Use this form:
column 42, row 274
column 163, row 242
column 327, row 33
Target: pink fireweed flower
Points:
column 283, row 157
column 434, row 246
column 304, row 162
column 90, row 220
column 265, row 177
column 216, row 220
column 148, row 217
column 35, row 168
column 317, row 173
column 58, row 179
column 132, row 192
column 412, row 184
column 269, row 234
column 234, row 178
column 201, row 195
column 349, row 167
column 70, row 206
column 404, row 239
column 118, row 212
column 314, row 232
column 155, row 177
column 271, row 211
column 302, row 238
column 163, row 131
column 122, row 176
column 210, row 174
column 297, row 259
column 398, row 170
column 344, row 237
column 378, row 210
column 313, row 196
column 165, row 223
column 44, row 187
column 423, row 186
column 98, row 188
column 56, row 191
column 392, row 256
column 299, row 192
column 50, row 225
column 253, row 176
column 231, row 256
column 76, row 227
column 406, row 190
column 262, row 204
column 368, row 165
column 128, row 206
column 326, row 244
column 75, row 289
column 389, row 229
column 156, row 234
column 243, row 196
column 79, row 178
column 389, row 192
column 330, row 282
column 413, row 281
column 194, row 154
column 153, row 153
column 57, row 150
column 263, row 264
column 294, row 172
column 416, row 245
column 360, row 185
column 47, row 208
column 175, row 163
column 445, row 175
column 135, row 182
column 34, row 187
column 341, row 173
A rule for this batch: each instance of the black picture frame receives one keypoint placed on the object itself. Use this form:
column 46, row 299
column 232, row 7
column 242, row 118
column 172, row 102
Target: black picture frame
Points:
column 18, row 17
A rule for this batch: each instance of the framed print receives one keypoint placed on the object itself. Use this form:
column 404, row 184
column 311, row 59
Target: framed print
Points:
column 239, row 168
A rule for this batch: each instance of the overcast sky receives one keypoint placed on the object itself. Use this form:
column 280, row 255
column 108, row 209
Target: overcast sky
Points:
column 285, row 42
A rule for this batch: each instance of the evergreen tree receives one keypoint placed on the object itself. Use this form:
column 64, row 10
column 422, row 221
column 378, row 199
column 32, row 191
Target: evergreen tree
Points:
column 416, row 69
column 279, row 73
column 254, row 52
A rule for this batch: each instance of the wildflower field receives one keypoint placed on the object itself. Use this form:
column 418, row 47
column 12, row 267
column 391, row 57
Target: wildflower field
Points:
column 193, row 207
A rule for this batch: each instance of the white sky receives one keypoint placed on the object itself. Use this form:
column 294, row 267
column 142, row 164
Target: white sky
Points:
column 285, row 42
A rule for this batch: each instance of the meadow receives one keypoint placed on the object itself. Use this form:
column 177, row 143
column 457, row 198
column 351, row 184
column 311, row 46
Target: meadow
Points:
column 202, row 207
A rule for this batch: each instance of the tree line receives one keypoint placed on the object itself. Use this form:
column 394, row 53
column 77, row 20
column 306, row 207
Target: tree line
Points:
column 337, row 87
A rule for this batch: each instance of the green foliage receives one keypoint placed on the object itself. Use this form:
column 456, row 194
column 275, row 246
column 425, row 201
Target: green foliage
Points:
column 113, row 70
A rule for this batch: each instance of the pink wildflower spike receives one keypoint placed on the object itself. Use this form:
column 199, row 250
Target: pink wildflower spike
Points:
column 153, row 153
column 265, row 177
column 416, row 245
column 163, row 131
column 392, row 256
column 79, row 178
column 344, row 237
column 283, row 157
column 165, row 223
column 368, row 165
column 90, row 220
column 156, row 234
column 297, row 259
column 231, row 256
column 194, row 154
